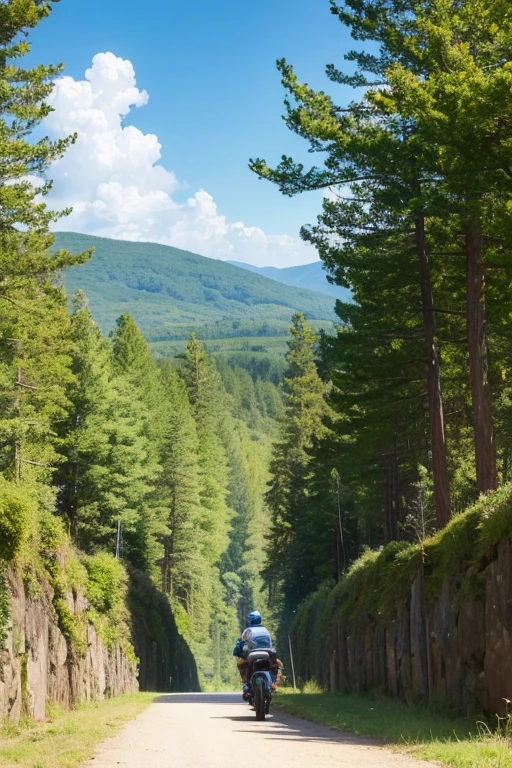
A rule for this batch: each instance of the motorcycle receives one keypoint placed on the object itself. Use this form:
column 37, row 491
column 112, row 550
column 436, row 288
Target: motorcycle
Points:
column 262, row 684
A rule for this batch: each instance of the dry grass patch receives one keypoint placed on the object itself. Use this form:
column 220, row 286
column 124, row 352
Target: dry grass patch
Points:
column 70, row 737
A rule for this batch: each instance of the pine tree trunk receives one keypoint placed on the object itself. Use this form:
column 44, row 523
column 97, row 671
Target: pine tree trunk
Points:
column 17, row 411
column 485, row 451
column 166, row 566
column 435, row 400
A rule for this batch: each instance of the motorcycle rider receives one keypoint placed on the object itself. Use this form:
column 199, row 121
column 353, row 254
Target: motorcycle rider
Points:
column 255, row 636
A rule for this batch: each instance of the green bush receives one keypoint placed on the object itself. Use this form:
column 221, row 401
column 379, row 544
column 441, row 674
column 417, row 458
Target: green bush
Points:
column 17, row 515
column 106, row 590
column 52, row 536
column 107, row 581
column 63, row 566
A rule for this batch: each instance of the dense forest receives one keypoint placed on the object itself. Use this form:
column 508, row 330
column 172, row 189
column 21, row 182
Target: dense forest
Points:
column 171, row 293
column 404, row 417
column 246, row 480
column 110, row 462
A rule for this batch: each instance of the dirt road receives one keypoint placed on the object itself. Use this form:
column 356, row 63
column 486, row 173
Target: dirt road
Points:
column 220, row 731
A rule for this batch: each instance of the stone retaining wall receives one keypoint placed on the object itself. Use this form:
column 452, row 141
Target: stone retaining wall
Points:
column 456, row 649
column 38, row 666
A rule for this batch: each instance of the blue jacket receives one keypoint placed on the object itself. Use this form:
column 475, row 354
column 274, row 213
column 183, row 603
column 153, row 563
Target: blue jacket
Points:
column 252, row 638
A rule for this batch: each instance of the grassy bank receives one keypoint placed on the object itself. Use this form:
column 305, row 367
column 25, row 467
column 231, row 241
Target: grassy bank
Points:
column 70, row 737
column 424, row 732
column 380, row 580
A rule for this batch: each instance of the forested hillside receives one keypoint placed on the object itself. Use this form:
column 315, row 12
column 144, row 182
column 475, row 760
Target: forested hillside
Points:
column 312, row 276
column 171, row 293
column 161, row 466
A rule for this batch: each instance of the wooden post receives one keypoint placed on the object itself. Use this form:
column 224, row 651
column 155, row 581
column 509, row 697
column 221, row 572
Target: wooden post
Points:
column 291, row 661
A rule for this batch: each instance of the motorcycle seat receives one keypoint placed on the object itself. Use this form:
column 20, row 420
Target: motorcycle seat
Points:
column 257, row 656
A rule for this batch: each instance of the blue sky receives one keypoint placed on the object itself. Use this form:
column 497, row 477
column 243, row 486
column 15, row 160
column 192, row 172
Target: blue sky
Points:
column 215, row 99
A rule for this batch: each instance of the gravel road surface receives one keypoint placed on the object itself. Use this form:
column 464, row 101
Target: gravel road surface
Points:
column 220, row 731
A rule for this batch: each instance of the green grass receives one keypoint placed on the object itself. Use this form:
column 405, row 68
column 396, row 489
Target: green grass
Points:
column 424, row 732
column 259, row 346
column 70, row 737
column 376, row 583
column 379, row 582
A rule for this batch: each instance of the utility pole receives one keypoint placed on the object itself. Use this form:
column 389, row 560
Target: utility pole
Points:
column 119, row 542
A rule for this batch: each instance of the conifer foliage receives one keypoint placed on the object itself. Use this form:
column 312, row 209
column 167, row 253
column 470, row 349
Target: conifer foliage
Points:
column 34, row 323
column 212, row 476
column 416, row 224
column 155, row 464
column 301, row 427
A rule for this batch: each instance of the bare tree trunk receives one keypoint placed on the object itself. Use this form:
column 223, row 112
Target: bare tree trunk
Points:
column 397, row 497
column 340, row 543
column 485, row 450
column 435, row 401
column 338, row 557
column 391, row 506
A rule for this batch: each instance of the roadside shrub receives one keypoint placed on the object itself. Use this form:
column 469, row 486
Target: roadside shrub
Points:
column 67, row 577
column 313, row 686
column 18, row 513
column 107, row 580
column 52, row 536
column 106, row 590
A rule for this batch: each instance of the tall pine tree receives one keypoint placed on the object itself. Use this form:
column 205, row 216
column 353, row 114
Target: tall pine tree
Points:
column 301, row 426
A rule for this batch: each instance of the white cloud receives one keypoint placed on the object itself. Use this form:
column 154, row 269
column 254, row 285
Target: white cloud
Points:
column 117, row 188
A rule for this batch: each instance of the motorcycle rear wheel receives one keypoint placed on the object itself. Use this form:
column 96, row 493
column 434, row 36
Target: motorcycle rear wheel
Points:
column 259, row 699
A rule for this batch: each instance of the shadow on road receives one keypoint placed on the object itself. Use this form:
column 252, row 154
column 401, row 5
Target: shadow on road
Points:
column 200, row 698
column 282, row 726
column 278, row 726
column 288, row 728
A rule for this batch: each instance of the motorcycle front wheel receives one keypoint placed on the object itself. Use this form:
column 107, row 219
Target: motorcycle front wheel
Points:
column 259, row 698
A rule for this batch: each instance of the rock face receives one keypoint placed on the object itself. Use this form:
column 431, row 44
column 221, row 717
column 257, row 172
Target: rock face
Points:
column 38, row 666
column 455, row 649
column 166, row 661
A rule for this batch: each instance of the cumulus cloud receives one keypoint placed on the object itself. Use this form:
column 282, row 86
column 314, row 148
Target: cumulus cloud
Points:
column 117, row 187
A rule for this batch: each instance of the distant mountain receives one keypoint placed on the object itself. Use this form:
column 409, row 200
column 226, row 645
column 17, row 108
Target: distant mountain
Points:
column 171, row 292
column 311, row 276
